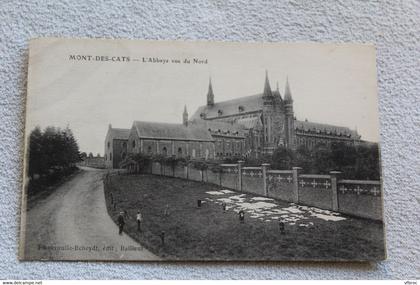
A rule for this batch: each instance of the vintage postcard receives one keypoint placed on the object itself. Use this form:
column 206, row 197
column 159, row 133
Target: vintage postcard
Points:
column 170, row 150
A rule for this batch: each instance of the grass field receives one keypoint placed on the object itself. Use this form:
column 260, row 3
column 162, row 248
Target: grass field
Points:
column 209, row 233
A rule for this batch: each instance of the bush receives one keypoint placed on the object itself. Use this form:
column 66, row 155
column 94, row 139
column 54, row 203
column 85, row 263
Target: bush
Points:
column 53, row 154
column 355, row 162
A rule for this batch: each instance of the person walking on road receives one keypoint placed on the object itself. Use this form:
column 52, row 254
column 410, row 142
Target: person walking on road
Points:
column 139, row 219
column 121, row 222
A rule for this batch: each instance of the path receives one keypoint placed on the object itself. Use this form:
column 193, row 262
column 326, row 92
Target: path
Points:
column 73, row 224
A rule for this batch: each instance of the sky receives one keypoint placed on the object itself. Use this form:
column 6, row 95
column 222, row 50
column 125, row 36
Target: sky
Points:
column 330, row 83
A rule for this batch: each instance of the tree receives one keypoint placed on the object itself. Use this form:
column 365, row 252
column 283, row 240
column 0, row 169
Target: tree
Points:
column 52, row 154
column 283, row 158
column 37, row 162
column 83, row 155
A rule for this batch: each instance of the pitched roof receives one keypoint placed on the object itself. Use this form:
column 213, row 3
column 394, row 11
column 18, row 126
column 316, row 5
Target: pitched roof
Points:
column 216, row 126
column 171, row 131
column 249, row 103
column 119, row 134
column 250, row 123
column 326, row 129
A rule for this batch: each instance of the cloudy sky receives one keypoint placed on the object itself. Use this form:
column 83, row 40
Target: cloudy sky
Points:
column 334, row 84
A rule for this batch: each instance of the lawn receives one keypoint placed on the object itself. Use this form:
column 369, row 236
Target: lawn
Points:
column 210, row 233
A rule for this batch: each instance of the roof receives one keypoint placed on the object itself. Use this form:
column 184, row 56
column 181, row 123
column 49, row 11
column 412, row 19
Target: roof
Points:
column 119, row 134
column 325, row 128
column 171, row 131
column 217, row 126
column 231, row 107
column 250, row 123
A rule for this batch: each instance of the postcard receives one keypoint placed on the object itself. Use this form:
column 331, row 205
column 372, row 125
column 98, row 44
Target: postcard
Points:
column 201, row 151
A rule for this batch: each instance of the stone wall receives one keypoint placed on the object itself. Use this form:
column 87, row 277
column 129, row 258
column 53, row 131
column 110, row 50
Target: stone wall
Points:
column 352, row 197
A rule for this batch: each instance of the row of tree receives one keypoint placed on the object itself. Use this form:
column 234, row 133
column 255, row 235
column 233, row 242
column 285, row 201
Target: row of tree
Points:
column 52, row 151
column 354, row 161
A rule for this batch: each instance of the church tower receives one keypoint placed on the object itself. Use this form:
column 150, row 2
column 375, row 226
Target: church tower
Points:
column 267, row 116
column 290, row 121
column 210, row 95
column 274, row 118
column 185, row 117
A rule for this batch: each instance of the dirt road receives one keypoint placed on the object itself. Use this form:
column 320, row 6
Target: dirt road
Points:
column 73, row 224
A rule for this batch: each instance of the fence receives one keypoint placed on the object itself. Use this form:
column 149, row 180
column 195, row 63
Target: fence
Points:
column 361, row 198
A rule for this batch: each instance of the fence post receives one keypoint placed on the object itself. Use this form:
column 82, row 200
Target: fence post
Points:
column 240, row 163
column 186, row 171
column 264, row 173
column 334, row 175
column 296, row 184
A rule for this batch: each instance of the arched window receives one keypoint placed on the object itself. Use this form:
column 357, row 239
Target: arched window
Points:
column 149, row 149
column 164, row 151
column 109, row 144
column 179, row 152
column 133, row 144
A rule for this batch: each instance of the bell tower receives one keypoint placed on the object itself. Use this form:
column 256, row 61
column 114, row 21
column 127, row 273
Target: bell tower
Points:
column 290, row 121
column 185, row 116
column 210, row 95
column 267, row 115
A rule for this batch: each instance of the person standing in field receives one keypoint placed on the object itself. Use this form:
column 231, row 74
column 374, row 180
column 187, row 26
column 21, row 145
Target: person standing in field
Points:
column 139, row 219
column 121, row 222
column 166, row 211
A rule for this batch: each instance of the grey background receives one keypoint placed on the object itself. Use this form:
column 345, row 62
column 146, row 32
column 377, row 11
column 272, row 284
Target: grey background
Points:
column 394, row 27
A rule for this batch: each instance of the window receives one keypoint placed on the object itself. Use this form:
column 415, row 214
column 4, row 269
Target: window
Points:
column 241, row 108
column 164, row 151
column 110, row 156
column 123, row 155
column 149, row 149
column 124, row 144
column 105, row 156
column 109, row 144
column 220, row 112
column 179, row 152
column 133, row 144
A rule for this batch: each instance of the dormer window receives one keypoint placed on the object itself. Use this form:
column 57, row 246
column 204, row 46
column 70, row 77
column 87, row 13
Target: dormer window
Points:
column 220, row 112
column 241, row 108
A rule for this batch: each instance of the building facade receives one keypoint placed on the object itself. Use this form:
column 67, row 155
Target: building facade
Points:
column 248, row 126
column 115, row 146
column 267, row 121
column 166, row 139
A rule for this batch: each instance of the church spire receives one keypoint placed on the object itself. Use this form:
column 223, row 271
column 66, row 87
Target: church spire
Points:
column 210, row 94
column 185, row 116
column 287, row 93
column 267, row 88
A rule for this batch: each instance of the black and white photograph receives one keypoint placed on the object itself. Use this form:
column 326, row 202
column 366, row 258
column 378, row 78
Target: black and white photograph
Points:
column 201, row 151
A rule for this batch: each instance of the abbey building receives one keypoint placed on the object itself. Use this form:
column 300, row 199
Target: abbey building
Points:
column 264, row 122
column 248, row 126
